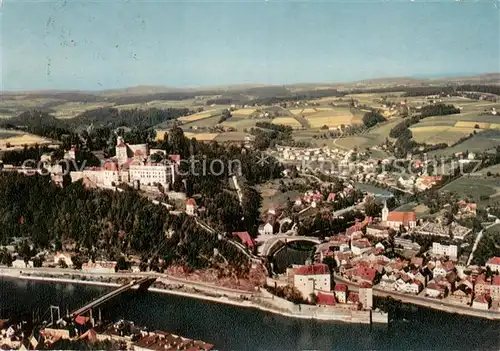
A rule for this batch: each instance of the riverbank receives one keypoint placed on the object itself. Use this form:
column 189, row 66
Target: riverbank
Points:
column 260, row 300
column 439, row 305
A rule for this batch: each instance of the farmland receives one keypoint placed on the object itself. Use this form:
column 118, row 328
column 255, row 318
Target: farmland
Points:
column 375, row 136
column 476, row 189
column 240, row 123
column 244, row 112
column 198, row 136
column 287, row 121
column 330, row 118
column 11, row 139
column 440, row 134
column 198, row 116
column 478, row 143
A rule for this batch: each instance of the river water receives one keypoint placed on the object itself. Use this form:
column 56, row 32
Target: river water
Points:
column 234, row 328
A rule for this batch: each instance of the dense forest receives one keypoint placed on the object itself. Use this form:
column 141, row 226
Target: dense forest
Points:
column 102, row 223
column 372, row 118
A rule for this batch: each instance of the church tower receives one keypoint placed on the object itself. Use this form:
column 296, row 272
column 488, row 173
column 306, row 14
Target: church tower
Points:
column 121, row 151
column 385, row 212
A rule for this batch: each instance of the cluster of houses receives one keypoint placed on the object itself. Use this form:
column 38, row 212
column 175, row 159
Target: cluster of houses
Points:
column 314, row 281
column 435, row 274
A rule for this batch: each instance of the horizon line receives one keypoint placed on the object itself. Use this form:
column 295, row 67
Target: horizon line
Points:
column 422, row 76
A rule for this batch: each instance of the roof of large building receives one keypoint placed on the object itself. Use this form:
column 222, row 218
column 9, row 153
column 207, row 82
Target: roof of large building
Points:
column 402, row 217
column 313, row 269
column 191, row 202
column 325, row 298
column 341, row 287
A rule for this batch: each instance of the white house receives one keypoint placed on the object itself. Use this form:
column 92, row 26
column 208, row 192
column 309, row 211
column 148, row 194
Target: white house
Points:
column 445, row 250
column 99, row 267
column 19, row 263
column 312, row 277
column 341, row 293
column 266, row 229
column 190, row 207
column 414, row 287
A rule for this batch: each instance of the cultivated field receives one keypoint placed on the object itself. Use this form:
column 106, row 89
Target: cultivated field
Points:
column 330, row 118
column 481, row 190
column 201, row 136
column 478, row 143
column 240, row 123
column 231, row 136
column 198, row 116
column 303, row 111
column 243, row 112
column 441, row 134
column 201, row 123
column 375, row 136
column 287, row 121
column 18, row 140
column 73, row 109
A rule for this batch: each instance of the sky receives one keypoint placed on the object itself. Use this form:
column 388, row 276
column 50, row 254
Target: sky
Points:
column 107, row 44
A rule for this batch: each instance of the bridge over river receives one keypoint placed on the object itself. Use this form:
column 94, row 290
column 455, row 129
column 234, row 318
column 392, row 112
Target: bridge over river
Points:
column 141, row 284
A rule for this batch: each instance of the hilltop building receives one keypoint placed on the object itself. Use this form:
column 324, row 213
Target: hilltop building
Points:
column 131, row 165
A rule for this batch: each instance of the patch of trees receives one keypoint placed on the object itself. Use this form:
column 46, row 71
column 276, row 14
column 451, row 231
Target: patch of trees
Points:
column 421, row 91
column 103, row 223
column 438, row 110
column 268, row 134
column 372, row 118
column 136, row 118
column 226, row 114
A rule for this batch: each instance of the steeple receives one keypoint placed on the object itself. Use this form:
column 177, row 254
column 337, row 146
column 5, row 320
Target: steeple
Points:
column 385, row 212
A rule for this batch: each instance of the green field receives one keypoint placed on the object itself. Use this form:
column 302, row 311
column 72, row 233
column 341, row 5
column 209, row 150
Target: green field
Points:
column 240, row 122
column 478, row 143
column 202, row 123
column 475, row 188
column 375, row 136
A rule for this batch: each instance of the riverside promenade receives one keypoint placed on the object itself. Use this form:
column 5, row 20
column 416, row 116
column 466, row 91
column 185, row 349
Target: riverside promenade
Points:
column 428, row 302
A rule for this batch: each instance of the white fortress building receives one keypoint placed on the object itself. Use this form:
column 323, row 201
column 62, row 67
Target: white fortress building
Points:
column 131, row 165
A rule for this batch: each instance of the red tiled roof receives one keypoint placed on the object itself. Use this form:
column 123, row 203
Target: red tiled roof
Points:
column 191, row 202
column 122, row 144
column 402, row 217
column 494, row 260
column 366, row 273
column 175, row 158
column 496, row 280
column 81, row 320
column 341, row 287
column 313, row 269
column 325, row 298
column 245, row 238
column 110, row 166
column 481, row 299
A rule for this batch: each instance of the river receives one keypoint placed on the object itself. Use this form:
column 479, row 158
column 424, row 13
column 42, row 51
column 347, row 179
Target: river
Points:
column 233, row 328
